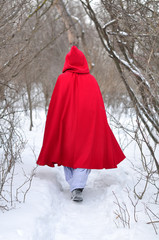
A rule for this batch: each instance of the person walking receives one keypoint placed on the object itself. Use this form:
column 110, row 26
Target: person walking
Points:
column 77, row 134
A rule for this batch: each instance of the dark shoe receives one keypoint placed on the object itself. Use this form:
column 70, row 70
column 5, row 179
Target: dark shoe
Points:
column 80, row 189
column 77, row 195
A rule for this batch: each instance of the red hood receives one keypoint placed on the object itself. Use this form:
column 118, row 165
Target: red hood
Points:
column 75, row 61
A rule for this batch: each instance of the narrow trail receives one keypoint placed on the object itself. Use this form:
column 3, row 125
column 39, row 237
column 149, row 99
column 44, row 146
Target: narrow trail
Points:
column 88, row 220
column 49, row 214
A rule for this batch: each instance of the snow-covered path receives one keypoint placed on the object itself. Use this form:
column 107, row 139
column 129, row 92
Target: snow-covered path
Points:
column 90, row 219
column 49, row 214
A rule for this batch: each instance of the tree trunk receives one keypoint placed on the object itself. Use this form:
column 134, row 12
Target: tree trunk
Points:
column 69, row 24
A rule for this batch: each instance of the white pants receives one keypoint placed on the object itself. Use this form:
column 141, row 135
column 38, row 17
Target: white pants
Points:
column 76, row 177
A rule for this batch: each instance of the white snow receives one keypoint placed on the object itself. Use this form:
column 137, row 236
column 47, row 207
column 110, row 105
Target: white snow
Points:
column 121, row 33
column 49, row 214
column 133, row 68
column 109, row 23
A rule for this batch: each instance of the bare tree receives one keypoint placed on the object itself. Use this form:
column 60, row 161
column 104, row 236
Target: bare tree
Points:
column 26, row 37
column 74, row 27
column 129, row 34
column 128, row 31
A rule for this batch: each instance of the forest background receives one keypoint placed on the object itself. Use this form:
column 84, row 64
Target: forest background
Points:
column 120, row 39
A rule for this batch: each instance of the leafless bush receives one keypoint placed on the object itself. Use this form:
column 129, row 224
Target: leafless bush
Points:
column 122, row 213
column 11, row 145
column 124, row 216
column 154, row 218
column 27, row 33
column 25, row 186
column 144, row 194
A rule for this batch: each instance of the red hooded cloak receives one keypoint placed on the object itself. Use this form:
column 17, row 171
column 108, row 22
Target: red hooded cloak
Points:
column 77, row 133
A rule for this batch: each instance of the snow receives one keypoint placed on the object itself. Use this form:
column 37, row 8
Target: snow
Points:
column 132, row 68
column 156, row 54
column 48, row 212
column 109, row 23
column 121, row 33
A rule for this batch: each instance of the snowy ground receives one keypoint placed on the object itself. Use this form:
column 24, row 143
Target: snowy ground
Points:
column 49, row 214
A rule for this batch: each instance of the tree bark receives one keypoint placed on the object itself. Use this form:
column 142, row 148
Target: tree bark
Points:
column 69, row 24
